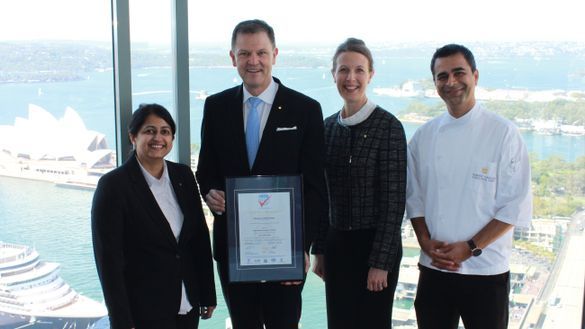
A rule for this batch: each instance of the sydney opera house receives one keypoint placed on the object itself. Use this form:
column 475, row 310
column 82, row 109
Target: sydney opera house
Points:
column 63, row 151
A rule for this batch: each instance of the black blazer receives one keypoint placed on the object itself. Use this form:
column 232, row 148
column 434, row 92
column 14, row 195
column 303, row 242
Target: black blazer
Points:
column 297, row 150
column 139, row 262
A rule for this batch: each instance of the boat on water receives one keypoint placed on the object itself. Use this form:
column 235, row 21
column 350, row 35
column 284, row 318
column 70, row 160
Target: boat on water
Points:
column 62, row 151
column 33, row 295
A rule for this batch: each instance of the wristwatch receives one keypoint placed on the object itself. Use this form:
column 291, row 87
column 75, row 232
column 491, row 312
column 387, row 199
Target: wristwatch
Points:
column 475, row 251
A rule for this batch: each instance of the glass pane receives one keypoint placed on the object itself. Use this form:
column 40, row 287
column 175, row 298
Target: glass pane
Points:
column 56, row 140
column 150, row 35
column 57, row 121
column 534, row 75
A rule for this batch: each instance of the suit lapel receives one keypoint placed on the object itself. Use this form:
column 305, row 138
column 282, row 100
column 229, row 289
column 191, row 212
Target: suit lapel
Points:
column 148, row 201
column 183, row 196
column 277, row 112
column 275, row 118
column 236, row 113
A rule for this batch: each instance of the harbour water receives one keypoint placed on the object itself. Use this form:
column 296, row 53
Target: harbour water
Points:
column 92, row 98
column 55, row 220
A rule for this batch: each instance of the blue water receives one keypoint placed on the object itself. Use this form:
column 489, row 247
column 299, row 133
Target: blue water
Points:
column 56, row 220
column 93, row 97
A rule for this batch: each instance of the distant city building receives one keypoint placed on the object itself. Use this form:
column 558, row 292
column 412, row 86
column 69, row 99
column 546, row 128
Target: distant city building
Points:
column 545, row 233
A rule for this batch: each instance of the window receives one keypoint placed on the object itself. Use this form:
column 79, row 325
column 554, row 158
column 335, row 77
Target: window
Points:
column 57, row 124
column 57, row 138
column 534, row 61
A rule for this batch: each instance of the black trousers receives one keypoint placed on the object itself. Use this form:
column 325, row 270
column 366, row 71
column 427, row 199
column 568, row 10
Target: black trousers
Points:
column 255, row 305
column 481, row 301
column 350, row 305
column 180, row 321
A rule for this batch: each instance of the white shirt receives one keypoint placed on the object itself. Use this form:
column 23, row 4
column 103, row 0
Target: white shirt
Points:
column 163, row 192
column 267, row 97
column 462, row 173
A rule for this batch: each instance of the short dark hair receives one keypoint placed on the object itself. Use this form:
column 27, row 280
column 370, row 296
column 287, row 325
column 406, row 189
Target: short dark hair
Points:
column 355, row 45
column 452, row 49
column 143, row 111
column 253, row 26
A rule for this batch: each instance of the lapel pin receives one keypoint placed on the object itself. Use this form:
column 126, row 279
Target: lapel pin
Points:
column 280, row 107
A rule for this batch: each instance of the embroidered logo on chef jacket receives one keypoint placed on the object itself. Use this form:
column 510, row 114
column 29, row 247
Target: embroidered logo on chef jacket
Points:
column 485, row 173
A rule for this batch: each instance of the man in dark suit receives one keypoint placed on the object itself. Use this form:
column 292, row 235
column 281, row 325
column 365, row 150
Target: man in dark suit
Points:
column 287, row 129
column 151, row 242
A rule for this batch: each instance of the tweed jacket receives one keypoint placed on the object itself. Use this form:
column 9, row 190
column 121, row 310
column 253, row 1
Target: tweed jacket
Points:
column 366, row 174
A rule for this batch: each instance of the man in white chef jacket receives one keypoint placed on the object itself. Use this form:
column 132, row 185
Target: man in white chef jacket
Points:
column 468, row 187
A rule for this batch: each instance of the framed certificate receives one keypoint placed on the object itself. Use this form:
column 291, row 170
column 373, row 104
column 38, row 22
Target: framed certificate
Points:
column 265, row 228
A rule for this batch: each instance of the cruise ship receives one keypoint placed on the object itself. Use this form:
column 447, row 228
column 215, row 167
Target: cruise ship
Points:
column 33, row 295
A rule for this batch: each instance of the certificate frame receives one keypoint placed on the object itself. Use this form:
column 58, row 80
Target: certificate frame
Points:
column 265, row 228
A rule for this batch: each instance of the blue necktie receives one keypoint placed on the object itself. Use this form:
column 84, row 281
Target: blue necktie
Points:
column 253, row 129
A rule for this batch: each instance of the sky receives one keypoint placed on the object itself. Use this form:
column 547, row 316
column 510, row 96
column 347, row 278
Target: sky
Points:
column 305, row 21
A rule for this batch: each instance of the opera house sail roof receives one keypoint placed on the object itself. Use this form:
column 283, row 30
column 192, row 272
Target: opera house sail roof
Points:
column 60, row 150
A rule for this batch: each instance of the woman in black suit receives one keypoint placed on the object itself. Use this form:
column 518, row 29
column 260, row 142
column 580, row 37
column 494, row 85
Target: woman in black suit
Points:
column 359, row 247
column 151, row 242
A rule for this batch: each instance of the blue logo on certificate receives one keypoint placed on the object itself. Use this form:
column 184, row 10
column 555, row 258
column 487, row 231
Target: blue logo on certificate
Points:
column 264, row 199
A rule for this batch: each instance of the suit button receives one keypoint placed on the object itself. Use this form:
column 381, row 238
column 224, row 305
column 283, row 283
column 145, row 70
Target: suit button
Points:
column 177, row 256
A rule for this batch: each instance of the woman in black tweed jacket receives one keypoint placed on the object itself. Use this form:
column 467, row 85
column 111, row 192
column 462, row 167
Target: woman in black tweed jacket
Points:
column 359, row 247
